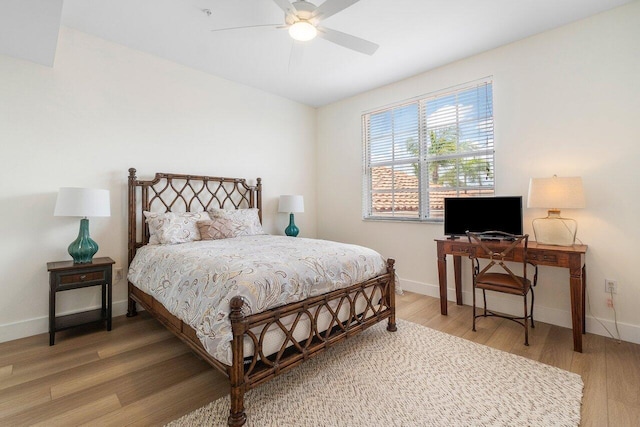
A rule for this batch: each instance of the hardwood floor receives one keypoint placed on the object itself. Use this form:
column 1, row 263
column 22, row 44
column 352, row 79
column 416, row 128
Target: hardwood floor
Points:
column 139, row 374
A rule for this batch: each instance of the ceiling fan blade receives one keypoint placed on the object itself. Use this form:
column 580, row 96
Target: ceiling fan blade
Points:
column 331, row 7
column 348, row 41
column 286, row 6
column 247, row 26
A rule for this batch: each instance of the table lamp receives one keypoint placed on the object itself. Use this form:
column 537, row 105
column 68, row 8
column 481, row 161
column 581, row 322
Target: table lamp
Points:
column 555, row 193
column 82, row 202
column 290, row 204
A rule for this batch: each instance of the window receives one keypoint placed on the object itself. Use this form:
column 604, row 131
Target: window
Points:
column 421, row 151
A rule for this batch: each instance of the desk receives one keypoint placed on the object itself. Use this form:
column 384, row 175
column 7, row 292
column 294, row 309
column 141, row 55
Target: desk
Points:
column 571, row 257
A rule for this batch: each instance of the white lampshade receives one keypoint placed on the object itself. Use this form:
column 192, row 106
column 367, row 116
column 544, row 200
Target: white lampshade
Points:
column 82, row 202
column 556, row 193
column 289, row 203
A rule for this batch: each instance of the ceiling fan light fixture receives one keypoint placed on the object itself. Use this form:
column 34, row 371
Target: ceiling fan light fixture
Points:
column 302, row 31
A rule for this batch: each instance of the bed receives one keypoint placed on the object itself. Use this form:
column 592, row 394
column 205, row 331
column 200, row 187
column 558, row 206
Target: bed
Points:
column 248, row 337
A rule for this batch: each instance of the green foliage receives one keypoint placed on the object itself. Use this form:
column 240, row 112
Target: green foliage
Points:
column 450, row 172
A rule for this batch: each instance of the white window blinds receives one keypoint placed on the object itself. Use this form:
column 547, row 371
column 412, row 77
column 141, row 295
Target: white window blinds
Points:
column 419, row 152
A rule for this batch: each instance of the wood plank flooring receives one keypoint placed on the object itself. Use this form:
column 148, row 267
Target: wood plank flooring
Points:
column 139, row 374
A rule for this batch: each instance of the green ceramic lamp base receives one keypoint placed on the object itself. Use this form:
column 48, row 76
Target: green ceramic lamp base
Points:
column 83, row 248
column 291, row 230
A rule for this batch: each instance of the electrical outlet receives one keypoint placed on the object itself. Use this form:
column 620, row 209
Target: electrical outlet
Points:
column 118, row 274
column 610, row 286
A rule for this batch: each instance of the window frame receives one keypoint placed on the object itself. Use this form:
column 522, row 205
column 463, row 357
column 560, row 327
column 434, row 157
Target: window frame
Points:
column 424, row 159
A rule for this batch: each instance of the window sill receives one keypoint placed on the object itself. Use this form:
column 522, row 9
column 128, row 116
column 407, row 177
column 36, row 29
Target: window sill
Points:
column 411, row 220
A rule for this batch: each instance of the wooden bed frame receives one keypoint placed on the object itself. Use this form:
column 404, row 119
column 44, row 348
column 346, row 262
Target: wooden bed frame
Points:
column 181, row 193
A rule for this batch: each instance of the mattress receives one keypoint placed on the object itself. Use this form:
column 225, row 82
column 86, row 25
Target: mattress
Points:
column 195, row 281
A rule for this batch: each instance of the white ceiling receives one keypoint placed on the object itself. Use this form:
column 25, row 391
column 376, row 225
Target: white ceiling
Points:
column 29, row 29
column 414, row 36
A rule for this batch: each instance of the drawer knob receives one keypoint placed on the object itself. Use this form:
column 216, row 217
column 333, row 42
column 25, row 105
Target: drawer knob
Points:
column 83, row 276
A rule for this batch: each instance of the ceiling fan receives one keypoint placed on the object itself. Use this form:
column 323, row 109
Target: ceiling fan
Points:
column 303, row 18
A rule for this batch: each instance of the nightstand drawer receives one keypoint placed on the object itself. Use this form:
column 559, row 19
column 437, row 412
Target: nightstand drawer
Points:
column 66, row 279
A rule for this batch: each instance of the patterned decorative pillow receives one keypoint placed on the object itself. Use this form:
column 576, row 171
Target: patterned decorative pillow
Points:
column 171, row 228
column 218, row 228
column 240, row 222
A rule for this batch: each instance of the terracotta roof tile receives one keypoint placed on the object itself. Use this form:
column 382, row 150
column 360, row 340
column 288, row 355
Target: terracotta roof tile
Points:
column 383, row 179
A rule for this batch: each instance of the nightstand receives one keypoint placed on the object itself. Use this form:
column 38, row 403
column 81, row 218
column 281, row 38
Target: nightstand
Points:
column 65, row 276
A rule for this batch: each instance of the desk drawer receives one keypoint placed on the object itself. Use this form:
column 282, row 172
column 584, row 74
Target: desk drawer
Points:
column 543, row 257
column 461, row 250
column 91, row 276
column 481, row 253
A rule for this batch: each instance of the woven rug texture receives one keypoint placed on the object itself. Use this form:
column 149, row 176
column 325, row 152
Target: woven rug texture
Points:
column 413, row 377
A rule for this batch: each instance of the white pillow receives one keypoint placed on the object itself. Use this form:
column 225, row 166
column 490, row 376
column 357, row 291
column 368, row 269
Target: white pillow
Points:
column 170, row 227
column 239, row 222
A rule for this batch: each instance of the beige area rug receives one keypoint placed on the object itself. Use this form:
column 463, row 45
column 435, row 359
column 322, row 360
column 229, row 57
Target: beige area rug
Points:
column 413, row 377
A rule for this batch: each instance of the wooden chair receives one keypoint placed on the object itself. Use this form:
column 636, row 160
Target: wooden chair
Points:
column 497, row 276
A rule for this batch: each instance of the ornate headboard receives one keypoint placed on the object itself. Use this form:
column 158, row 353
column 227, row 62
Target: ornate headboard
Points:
column 168, row 192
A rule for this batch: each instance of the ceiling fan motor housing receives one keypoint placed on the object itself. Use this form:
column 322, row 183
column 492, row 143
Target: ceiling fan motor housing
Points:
column 304, row 12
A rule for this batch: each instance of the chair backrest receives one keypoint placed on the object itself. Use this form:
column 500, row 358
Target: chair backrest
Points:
column 498, row 254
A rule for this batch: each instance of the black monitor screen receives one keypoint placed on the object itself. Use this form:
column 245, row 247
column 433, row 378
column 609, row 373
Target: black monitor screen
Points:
column 481, row 214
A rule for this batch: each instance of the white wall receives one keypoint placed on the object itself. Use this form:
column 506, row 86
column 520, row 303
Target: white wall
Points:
column 566, row 102
column 104, row 108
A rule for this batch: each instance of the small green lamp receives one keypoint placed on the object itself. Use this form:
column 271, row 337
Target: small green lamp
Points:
column 83, row 202
column 290, row 204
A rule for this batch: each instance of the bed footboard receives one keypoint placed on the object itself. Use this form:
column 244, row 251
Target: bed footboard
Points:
column 364, row 304
column 350, row 311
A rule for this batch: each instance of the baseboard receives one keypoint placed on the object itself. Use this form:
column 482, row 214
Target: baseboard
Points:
column 40, row 325
column 628, row 332
column 424, row 289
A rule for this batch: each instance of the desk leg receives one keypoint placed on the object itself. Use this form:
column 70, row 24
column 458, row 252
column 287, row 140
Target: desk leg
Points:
column 442, row 279
column 457, row 270
column 577, row 302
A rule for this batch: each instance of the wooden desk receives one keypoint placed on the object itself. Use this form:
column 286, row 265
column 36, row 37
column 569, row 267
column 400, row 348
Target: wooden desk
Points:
column 571, row 257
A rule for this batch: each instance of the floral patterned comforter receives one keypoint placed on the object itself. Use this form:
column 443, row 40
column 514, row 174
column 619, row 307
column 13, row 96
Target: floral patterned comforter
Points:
column 195, row 281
